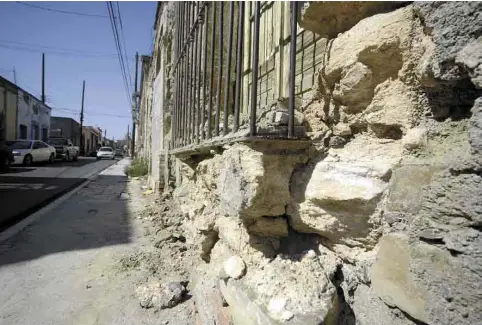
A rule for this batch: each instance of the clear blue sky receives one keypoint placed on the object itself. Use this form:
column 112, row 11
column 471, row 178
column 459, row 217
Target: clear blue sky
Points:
column 82, row 36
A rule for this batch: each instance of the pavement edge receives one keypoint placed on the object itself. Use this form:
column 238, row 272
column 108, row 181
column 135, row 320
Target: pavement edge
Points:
column 19, row 226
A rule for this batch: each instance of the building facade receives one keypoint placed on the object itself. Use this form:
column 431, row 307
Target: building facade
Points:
column 8, row 110
column 65, row 127
column 33, row 117
column 92, row 139
column 23, row 115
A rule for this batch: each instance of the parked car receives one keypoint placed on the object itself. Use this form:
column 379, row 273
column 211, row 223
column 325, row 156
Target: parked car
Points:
column 119, row 153
column 28, row 151
column 64, row 149
column 105, row 152
column 6, row 156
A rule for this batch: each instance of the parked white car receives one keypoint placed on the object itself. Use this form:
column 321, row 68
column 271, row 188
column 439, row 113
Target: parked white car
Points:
column 28, row 151
column 105, row 153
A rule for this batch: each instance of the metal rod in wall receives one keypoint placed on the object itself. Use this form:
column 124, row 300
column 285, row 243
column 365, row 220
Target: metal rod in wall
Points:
column 220, row 68
column 205, row 59
column 200, row 42
column 192, row 124
column 176, row 73
column 185, row 103
column 228, row 68
column 181, row 102
column 291, row 107
column 254, row 70
column 191, row 29
column 174, row 128
column 181, row 78
column 239, row 65
column 213, row 39
column 190, row 76
column 194, row 86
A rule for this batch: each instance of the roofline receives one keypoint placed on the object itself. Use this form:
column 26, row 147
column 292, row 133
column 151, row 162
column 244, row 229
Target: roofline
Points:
column 159, row 5
column 11, row 84
column 64, row 117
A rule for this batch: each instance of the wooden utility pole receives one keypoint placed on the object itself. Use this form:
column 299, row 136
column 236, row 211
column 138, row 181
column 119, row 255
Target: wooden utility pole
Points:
column 82, row 120
column 43, row 78
column 134, row 97
column 14, row 76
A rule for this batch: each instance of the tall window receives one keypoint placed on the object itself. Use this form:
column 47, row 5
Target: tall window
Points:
column 44, row 134
column 23, row 131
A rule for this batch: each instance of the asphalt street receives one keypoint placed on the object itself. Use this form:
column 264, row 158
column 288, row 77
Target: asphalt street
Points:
column 24, row 190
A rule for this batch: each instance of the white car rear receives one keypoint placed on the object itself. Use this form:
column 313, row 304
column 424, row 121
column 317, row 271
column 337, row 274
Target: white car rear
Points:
column 105, row 153
column 28, row 151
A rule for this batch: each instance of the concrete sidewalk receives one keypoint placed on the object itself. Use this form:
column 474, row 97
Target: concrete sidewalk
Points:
column 65, row 269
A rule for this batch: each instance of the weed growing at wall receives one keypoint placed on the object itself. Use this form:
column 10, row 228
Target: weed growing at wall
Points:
column 137, row 168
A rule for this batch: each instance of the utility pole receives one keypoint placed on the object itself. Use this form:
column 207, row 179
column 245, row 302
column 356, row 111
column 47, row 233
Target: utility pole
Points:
column 82, row 120
column 43, row 78
column 135, row 108
column 14, row 76
column 127, row 138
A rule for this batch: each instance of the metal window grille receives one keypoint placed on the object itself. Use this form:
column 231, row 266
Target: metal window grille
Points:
column 209, row 66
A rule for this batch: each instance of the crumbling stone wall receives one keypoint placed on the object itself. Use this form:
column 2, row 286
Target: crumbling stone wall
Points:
column 379, row 223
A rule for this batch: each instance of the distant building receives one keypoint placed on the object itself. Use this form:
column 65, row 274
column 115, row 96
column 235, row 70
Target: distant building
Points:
column 91, row 137
column 65, row 127
column 22, row 115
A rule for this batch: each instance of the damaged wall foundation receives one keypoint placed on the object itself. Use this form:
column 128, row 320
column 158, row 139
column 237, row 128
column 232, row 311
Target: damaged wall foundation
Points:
column 371, row 215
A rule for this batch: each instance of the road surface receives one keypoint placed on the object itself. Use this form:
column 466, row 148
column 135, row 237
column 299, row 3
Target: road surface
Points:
column 25, row 189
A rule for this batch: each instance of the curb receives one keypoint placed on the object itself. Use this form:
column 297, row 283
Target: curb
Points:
column 22, row 224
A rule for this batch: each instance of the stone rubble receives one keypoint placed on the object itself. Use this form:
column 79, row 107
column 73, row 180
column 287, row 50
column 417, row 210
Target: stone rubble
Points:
column 379, row 221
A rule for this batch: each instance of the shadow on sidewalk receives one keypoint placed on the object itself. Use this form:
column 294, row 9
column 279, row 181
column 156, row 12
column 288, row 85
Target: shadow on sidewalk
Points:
column 95, row 216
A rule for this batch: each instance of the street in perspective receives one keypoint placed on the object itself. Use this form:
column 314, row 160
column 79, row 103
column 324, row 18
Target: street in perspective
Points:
column 241, row 163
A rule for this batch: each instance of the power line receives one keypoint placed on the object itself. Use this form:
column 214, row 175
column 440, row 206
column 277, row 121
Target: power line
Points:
column 27, row 45
column 61, row 11
column 74, row 112
column 124, row 43
column 110, row 9
column 72, row 55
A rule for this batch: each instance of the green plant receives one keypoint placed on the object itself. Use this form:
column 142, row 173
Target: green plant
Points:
column 137, row 168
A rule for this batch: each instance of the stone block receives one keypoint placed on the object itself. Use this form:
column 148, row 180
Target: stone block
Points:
column 392, row 280
column 415, row 138
column 355, row 89
column 243, row 309
column 406, row 187
column 296, row 291
column 342, row 129
column 389, row 115
column 252, row 184
column 336, row 199
column 328, row 19
column 428, row 282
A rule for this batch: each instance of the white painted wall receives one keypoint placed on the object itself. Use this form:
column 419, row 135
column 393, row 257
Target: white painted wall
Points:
column 157, row 133
column 32, row 112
